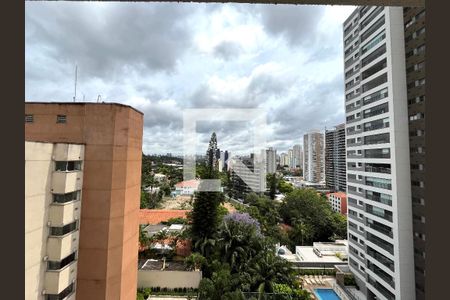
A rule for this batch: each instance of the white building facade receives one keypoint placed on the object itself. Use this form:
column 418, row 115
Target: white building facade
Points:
column 314, row 157
column 378, row 167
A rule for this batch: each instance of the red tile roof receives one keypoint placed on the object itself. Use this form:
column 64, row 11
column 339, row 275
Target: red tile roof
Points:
column 338, row 194
column 156, row 216
column 188, row 183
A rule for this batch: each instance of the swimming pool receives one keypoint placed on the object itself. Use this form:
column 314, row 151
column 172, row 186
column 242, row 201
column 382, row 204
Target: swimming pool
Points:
column 326, row 294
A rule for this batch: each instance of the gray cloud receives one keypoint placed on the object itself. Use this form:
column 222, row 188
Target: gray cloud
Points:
column 112, row 39
column 227, row 50
column 297, row 23
column 322, row 105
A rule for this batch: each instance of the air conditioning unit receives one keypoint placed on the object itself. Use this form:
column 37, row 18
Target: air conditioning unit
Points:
column 45, row 258
column 44, row 292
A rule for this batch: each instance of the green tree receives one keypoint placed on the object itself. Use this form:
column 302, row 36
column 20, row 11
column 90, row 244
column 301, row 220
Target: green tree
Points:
column 305, row 206
column 272, row 183
column 205, row 210
column 285, row 187
column 195, row 261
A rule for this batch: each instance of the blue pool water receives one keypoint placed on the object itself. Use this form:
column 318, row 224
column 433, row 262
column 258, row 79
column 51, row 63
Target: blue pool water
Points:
column 326, row 294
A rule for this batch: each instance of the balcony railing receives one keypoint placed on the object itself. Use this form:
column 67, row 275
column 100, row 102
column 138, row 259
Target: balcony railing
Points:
column 61, row 214
column 56, row 281
column 378, row 170
column 59, row 247
column 354, row 132
column 66, row 182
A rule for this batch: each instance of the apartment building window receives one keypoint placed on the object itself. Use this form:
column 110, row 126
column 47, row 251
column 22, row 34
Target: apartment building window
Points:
column 420, row 150
column 418, row 201
column 380, row 288
column 57, row 265
column 66, row 166
column 379, row 182
column 420, row 219
column 380, row 243
column 420, row 184
column 419, row 235
column 372, row 29
column 374, row 55
column 378, row 168
column 376, row 110
column 374, row 69
column 416, row 116
column 379, row 212
column 417, row 99
column 64, row 198
column 419, row 66
column 29, row 118
column 374, row 82
column 379, row 197
column 377, row 153
column 382, row 274
column 419, row 32
column 389, row 263
column 377, row 124
column 363, row 11
column 418, row 132
column 378, row 95
column 419, row 49
column 66, row 292
column 376, row 139
column 59, row 231
column 61, row 119
column 381, row 228
column 373, row 42
column 372, row 16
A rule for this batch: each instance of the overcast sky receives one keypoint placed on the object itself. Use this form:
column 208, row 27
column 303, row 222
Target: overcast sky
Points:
column 162, row 58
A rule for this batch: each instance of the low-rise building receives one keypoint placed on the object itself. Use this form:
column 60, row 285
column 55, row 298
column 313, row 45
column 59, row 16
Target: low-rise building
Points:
column 188, row 187
column 319, row 255
column 338, row 202
column 160, row 177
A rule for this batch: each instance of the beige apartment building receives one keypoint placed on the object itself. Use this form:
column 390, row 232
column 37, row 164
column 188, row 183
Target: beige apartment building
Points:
column 54, row 179
column 83, row 181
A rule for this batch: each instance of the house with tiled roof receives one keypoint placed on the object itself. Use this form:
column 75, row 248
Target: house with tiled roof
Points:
column 188, row 187
column 156, row 216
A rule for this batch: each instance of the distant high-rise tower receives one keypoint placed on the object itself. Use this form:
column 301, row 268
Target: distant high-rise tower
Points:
column 291, row 158
column 271, row 160
column 298, row 155
column 335, row 176
column 313, row 158
column 378, row 158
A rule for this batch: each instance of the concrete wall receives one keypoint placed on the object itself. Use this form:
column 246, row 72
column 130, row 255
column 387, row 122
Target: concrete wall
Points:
column 169, row 279
column 112, row 134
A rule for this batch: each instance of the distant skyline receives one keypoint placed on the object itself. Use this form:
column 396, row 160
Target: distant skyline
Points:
column 164, row 57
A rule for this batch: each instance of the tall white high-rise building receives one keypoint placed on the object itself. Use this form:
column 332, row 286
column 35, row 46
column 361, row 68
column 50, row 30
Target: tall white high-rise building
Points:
column 378, row 164
column 291, row 158
column 284, row 160
column 313, row 157
column 298, row 155
column 271, row 160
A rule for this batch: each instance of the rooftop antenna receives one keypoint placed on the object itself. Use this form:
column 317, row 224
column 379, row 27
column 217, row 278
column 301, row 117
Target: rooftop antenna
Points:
column 76, row 73
column 98, row 98
column 83, row 97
